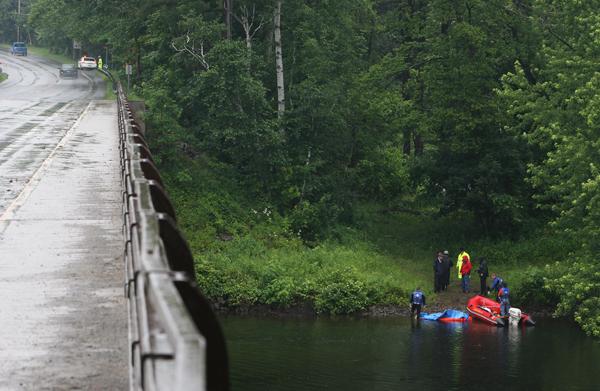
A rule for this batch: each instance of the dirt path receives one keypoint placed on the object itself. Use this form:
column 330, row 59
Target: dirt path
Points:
column 453, row 297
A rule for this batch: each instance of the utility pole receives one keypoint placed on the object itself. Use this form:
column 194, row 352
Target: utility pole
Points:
column 18, row 20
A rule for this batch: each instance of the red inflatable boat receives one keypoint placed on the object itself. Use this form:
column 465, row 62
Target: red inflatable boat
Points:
column 488, row 310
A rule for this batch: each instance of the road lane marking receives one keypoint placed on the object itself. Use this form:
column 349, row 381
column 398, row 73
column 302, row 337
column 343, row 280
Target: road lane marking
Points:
column 37, row 175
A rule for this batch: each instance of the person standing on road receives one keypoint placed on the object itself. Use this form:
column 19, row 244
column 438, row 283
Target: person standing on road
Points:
column 459, row 260
column 503, row 297
column 417, row 301
column 465, row 271
column 99, row 62
column 482, row 270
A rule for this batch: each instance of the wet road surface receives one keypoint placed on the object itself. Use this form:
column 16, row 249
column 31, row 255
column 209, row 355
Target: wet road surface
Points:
column 63, row 318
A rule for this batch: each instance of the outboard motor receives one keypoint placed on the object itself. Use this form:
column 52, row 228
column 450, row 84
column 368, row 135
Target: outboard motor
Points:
column 514, row 316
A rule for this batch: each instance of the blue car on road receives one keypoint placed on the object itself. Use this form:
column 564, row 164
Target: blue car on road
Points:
column 18, row 49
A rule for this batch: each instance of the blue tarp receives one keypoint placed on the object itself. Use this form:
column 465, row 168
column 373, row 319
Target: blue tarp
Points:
column 455, row 314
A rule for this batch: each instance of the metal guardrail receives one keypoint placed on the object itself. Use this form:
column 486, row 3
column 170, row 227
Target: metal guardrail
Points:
column 176, row 340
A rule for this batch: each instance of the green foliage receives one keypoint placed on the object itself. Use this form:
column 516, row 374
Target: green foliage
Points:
column 248, row 254
column 48, row 17
column 481, row 116
column 383, row 174
column 335, row 279
column 530, row 289
column 554, row 109
column 579, row 289
column 343, row 292
column 9, row 19
column 370, row 98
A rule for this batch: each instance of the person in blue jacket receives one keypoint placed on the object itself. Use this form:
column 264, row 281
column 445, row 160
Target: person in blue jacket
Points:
column 503, row 297
column 496, row 283
column 417, row 301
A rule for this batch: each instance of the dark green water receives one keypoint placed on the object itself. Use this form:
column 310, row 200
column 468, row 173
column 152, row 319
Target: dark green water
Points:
column 395, row 354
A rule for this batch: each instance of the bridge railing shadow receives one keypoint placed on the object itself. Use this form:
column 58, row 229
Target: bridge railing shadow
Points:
column 176, row 340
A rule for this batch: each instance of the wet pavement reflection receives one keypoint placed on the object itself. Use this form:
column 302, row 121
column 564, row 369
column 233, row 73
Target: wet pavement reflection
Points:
column 63, row 318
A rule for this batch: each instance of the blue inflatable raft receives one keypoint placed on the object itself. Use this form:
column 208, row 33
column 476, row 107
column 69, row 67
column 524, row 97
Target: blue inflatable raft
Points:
column 447, row 316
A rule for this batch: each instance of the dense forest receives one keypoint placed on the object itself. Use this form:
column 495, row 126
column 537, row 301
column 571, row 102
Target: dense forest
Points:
column 319, row 151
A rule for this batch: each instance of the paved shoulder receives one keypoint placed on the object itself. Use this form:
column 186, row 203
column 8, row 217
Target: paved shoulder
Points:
column 64, row 318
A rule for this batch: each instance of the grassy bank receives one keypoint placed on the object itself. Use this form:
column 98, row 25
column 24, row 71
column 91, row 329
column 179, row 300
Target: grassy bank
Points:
column 46, row 53
column 246, row 255
column 3, row 76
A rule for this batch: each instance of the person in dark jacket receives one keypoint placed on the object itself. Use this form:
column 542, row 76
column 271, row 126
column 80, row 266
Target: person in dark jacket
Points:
column 482, row 270
column 417, row 301
column 438, row 272
column 447, row 267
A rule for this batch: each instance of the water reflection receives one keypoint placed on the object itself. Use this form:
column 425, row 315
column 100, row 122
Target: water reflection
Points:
column 397, row 354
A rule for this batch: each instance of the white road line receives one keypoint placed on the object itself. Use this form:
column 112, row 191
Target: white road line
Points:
column 37, row 175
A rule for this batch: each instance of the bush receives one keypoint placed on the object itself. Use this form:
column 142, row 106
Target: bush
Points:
column 578, row 288
column 342, row 292
column 333, row 278
column 530, row 290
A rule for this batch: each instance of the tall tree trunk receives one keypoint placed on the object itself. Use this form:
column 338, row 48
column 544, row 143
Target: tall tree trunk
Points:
column 419, row 144
column 406, row 147
column 279, row 61
column 227, row 11
column 138, row 62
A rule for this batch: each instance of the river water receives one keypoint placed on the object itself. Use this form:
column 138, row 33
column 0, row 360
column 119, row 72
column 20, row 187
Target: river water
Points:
column 397, row 354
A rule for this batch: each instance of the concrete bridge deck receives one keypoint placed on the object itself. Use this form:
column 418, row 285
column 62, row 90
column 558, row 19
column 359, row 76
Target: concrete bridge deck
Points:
column 63, row 318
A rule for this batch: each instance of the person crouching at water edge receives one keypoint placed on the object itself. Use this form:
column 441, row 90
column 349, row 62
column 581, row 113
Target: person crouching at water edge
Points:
column 503, row 297
column 417, row 300
column 497, row 282
column 465, row 272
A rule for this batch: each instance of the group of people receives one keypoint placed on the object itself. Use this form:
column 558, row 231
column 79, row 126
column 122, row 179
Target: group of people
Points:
column 464, row 267
column 442, row 265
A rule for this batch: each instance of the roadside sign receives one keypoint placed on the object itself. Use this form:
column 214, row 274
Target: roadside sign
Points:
column 128, row 72
column 76, row 45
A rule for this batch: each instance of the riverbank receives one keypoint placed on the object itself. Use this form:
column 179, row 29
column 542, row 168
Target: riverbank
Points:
column 453, row 298
column 350, row 275
column 249, row 262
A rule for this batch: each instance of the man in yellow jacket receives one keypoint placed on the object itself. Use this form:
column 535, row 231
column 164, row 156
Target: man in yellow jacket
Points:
column 459, row 260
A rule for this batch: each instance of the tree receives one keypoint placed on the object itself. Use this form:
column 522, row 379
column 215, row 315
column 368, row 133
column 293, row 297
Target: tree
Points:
column 554, row 108
column 279, row 60
column 474, row 165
